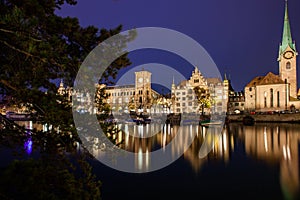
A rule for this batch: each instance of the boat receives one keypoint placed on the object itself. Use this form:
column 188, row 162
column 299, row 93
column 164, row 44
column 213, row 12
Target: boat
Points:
column 142, row 120
column 210, row 122
column 18, row 116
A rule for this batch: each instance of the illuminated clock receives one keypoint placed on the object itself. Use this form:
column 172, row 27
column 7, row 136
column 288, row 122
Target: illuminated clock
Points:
column 288, row 55
column 140, row 80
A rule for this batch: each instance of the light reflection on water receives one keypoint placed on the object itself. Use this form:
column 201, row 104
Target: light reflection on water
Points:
column 273, row 144
column 270, row 143
column 29, row 125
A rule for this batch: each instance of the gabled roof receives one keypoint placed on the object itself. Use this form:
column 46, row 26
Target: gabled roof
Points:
column 213, row 81
column 254, row 81
column 269, row 79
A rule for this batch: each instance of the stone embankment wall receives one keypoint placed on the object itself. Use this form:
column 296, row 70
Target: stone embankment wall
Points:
column 287, row 117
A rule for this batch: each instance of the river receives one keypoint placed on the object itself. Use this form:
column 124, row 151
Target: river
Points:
column 245, row 162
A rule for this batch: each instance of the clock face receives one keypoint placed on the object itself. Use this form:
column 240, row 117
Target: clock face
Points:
column 140, row 80
column 288, row 55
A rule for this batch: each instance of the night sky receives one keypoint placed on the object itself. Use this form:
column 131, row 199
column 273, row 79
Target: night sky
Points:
column 241, row 36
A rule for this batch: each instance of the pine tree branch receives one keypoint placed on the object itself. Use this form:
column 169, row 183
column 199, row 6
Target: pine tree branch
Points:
column 44, row 60
column 15, row 33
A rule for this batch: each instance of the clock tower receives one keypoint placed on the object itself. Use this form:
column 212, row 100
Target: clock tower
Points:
column 287, row 56
column 143, row 90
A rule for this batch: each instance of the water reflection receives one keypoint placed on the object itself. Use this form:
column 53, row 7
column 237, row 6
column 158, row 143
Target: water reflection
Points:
column 141, row 140
column 29, row 125
column 275, row 144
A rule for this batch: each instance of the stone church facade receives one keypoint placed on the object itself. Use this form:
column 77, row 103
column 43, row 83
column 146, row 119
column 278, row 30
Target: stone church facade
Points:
column 276, row 92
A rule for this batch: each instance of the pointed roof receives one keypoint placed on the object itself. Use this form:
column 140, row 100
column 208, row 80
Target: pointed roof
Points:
column 286, row 35
column 225, row 76
column 196, row 69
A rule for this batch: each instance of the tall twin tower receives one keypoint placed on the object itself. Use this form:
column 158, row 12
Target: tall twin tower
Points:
column 287, row 56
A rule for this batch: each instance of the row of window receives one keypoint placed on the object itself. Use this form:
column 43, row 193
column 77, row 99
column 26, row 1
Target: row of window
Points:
column 184, row 104
column 141, row 92
column 184, row 98
column 190, row 91
column 119, row 100
column 237, row 99
column 237, row 104
column 115, row 94
column 271, row 98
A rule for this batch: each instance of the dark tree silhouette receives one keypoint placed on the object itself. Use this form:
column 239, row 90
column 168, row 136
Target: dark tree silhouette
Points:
column 38, row 47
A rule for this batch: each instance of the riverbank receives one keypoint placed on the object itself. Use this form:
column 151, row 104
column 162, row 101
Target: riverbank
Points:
column 278, row 118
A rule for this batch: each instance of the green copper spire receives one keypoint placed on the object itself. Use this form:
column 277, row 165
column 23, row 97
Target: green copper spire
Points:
column 287, row 36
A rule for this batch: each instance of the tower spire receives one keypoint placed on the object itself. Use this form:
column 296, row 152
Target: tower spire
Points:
column 286, row 36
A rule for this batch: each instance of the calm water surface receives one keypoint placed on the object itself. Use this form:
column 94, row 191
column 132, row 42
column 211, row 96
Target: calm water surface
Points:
column 246, row 162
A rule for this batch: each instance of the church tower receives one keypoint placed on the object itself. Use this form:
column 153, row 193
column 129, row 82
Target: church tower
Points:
column 287, row 56
column 143, row 90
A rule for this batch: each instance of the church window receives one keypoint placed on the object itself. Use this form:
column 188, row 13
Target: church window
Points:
column 271, row 98
column 288, row 65
column 250, row 89
column 265, row 101
column 278, row 99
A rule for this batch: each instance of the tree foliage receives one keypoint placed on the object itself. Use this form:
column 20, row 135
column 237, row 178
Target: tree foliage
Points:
column 203, row 98
column 37, row 48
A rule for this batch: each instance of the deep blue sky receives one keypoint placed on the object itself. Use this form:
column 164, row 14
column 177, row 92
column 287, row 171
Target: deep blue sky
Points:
column 241, row 36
